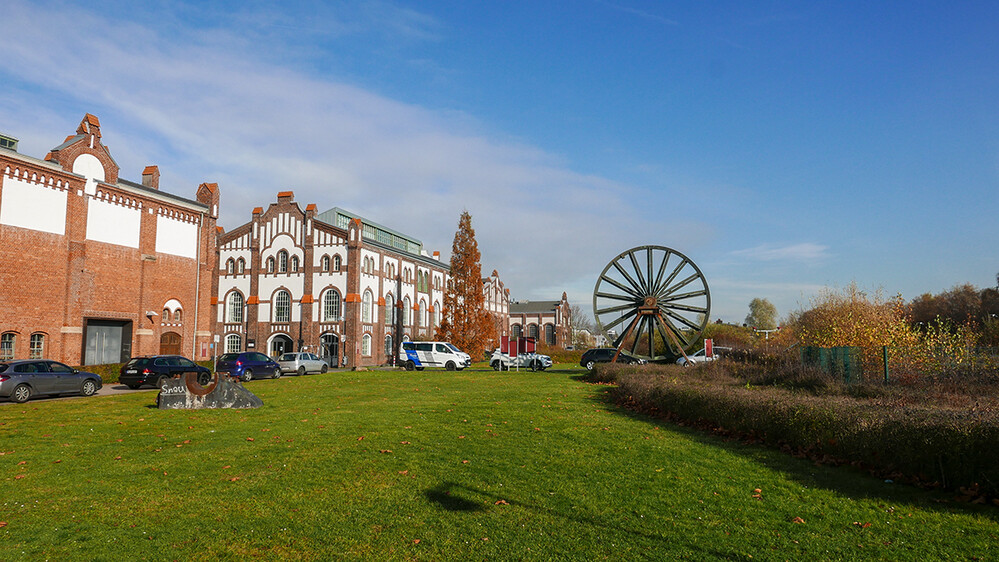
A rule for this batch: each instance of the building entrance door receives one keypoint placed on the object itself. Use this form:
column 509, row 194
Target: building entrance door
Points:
column 329, row 349
column 107, row 341
column 280, row 345
column 170, row 344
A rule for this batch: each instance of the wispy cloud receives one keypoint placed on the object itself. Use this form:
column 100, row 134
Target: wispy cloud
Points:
column 805, row 251
column 215, row 107
column 640, row 13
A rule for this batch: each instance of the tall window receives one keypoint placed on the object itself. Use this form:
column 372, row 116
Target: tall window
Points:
column 234, row 314
column 230, row 266
column 389, row 310
column 240, row 266
column 7, row 345
column 270, row 264
column 423, row 313
column 366, row 345
column 324, row 264
column 233, row 343
column 177, row 316
column 337, row 262
column 331, row 306
column 550, row 334
column 516, row 331
column 366, row 307
column 282, row 307
column 532, row 331
column 294, row 263
column 437, row 313
column 37, row 348
column 407, row 307
column 282, row 259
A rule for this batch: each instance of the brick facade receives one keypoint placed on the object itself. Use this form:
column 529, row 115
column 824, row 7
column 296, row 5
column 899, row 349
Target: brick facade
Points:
column 549, row 321
column 96, row 268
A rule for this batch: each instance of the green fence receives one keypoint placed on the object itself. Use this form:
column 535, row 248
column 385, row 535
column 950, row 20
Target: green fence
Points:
column 843, row 362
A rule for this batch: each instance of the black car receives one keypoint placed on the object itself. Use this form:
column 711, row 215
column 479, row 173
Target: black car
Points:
column 156, row 369
column 606, row 355
column 20, row 380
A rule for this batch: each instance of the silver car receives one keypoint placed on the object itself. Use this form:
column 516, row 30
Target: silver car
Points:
column 301, row 363
column 20, row 380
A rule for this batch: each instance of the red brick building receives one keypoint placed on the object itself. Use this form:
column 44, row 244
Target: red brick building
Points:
column 549, row 322
column 96, row 268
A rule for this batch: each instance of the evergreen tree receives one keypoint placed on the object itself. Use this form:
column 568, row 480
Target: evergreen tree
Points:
column 466, row 323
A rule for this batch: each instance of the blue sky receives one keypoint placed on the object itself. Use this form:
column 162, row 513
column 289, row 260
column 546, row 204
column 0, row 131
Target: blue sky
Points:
column 783, row 146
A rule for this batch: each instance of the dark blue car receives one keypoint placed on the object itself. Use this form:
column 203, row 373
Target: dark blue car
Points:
column 247, row 366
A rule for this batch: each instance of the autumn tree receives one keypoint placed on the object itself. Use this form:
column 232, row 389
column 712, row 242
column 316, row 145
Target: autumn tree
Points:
column 465, row 321
column 762, row 314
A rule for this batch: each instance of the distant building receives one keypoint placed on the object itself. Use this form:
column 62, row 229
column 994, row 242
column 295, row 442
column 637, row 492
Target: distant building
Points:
column 97, row 269
column 550, row 322
column 497, row 303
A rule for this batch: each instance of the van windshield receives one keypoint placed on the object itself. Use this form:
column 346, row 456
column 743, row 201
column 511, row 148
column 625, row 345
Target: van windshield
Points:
column 453, row 348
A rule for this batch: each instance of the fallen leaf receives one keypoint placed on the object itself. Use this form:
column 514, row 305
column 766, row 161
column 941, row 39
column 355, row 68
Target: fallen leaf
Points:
column 3, row 524
column 249, row 439
column 361, row 437
column 22, row 462
column 464, row 462
column 385, row 451
column 56, row 461
column 501, row 502
column 403, row 472
column 119, row 440
column 404, row 442
column 416, row 541
column 117, row 458
column 234, row 478
column 758, row 491
column 19, row 476
column 187, row 441
column 797, row 520
column 461, row 437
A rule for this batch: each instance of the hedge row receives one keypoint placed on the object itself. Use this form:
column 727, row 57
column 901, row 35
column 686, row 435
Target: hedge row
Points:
column 933, row 446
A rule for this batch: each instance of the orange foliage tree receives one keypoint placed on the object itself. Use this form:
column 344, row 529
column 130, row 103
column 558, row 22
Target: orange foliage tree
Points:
column 465, row 322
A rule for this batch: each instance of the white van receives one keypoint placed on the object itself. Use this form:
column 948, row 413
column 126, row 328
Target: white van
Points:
column 417, row 355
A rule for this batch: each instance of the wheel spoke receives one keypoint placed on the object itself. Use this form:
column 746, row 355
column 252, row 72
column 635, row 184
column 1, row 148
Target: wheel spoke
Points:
column 677, row 333
column 638, row 334
column 674, row 298
column 614, row 282
column 615, row 308
column 634, row 285
column 662, row 271
column 672, row 276
column 684, row 307
column 638, row 272
column 616, row 297
column 652, row 337
column 681, row 284
column 619, row 320
column 624, row 334
column 679, row 318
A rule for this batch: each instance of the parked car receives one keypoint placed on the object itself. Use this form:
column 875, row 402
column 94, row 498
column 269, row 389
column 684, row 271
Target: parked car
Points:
column 533, row 361
column 701, row 357
column 154, row 370
column 301, row 363
column 20, row 380
column 433, row 354
column 605, row 355
column 247, row 365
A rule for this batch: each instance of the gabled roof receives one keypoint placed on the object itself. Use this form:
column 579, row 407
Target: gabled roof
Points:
column 529, row 307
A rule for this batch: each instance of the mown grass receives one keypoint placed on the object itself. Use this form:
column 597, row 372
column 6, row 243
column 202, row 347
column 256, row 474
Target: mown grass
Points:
column 436, row 465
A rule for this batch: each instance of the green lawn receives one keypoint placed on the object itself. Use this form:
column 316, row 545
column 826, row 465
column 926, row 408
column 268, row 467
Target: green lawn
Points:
column 437, row 465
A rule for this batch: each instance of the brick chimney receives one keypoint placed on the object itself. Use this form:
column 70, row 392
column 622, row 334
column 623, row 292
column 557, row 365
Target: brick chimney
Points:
column 151, row 177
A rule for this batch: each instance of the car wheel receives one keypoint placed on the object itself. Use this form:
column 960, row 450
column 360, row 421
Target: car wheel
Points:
column 21, row 394
column 495, row 365
column 301, row 371
column 134, row 386
column 450, row 366
column 589, row 365
column 277, row 373
column 410, row 365
column 204, row 379
column 89, row 388
column 161, row 382
column 247, row 375
column 325, row 368
column 534, row 365
column 419, row 368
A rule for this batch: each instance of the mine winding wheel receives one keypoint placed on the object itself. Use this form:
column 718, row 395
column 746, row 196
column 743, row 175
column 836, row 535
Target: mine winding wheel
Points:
column 653, row 302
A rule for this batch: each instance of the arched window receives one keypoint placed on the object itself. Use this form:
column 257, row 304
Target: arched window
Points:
column 282, row 259
column 331, row 306
column 233, row 343
column 240, row 266
column 234, row 306
column 388, row 346
column 177, row 316
column 37, row 346
column 294, row 263
column 166, row 315
column 7, row 341
column 324, row 264
column 389, row 310
column 516, row 331
column 337, row 263
column 366, row 307
column 230, row 266
column 418, row 317
column 270, row 264
column 532, row 331
column 550, row 334
column 407, row 307
column 437, row 313
column 366, row 345
column 282, row 307
column 424, row 321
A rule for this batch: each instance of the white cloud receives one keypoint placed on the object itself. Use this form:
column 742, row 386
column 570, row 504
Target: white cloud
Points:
column 210, row 107
column 805, row 251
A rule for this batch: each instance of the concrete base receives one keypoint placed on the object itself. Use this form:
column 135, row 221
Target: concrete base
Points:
column 186, row 394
